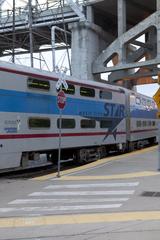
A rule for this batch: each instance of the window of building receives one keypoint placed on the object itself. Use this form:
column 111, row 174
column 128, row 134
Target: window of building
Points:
column 105, row 124
column 36, row 122
column 70, row 90
column 103, row 94
column 87, row 92
column 66, row 123
column 38, row 84
column 86, row 123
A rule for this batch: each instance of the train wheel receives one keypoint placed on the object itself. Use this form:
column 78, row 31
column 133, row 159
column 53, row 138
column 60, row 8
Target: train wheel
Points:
column 131, row 146
column 52, row 157
column 124, row 148
column 140, row 144
column 101, row 152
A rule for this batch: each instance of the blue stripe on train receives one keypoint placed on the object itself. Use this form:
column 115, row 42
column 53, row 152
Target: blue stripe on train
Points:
column 27, row 102
column 140, row 113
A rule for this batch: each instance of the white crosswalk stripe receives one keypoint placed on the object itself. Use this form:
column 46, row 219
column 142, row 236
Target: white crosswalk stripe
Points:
column 83, row 193
column 63, row 200
column 60, row 208
column 94, row 185
column 68, row 198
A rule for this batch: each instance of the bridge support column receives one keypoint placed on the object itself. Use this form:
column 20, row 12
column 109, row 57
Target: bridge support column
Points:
column 88, row 40
column 158, row 5
column 121, row 13
column 158, row 30
column 121, row 17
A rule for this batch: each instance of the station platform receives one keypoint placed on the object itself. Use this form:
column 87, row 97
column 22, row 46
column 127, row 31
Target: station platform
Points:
column 112, row 198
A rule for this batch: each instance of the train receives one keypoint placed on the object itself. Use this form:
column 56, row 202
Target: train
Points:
column 98, row 118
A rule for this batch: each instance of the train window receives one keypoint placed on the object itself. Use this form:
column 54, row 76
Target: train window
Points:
column 105, row 124
column 70, row 90
column 87, row 92
column 86, row 123
column 153, row 105
column 38, row 84
column 144, row 101
column 105, row 94
column 144, row 123
column 148, row 103
column 149, row 123
column 138, row 100
column 153, row 123
column 39, row 122
column 66, row 123
column 138, row 123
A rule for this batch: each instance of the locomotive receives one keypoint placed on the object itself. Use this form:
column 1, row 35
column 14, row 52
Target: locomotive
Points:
column 98, row 117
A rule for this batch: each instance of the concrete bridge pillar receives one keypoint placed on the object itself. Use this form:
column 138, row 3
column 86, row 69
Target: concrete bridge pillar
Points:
column 122, row 28
column 88, row 40
column 121, row 13
column 158, row 5
column 158, row 29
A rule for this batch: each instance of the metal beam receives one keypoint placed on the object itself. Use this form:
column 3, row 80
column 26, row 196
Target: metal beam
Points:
column 130, row 76
column 100, row 64
column 30, row 21
column 76, row 9
column 132, row 57
column 13, row 36
column 2, row 1
column 8, row 53
column 158, row 4
column 141, row 44
column 127, row 66
column 121, row 13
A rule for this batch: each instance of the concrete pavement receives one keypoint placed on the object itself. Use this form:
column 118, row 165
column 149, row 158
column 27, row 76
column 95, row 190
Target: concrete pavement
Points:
column 113, row 198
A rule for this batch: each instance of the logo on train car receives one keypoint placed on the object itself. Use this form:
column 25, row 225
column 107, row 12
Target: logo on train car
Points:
column 115, row 113
column 10, row 126
column 114, row 110
column 111, row 113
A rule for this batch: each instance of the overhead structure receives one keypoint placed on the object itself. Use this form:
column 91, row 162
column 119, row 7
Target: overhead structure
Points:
column 27, row 29
column 137, row 45
column 118, row 37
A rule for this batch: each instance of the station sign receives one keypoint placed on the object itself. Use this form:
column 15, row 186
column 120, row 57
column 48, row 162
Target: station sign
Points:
column 61, row 100
column 156, row 98
column 61, row 82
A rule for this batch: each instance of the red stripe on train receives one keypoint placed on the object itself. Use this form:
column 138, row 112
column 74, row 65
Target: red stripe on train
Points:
column 50, row 135
column 54, row 135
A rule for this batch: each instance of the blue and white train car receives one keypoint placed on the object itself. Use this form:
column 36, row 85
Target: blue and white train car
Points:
column 97, row 118
column 143, row 126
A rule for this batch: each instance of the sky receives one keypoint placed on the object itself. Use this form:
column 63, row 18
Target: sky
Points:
column 61, row 56
column 148, row 89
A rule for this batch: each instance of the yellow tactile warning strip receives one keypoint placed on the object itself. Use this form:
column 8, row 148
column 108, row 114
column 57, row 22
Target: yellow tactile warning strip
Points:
column 93, row 164
column 79, row 219
column 111, row 177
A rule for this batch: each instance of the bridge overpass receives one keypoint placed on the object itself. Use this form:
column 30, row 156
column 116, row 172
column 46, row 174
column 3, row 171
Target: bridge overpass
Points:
column 102, row 34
